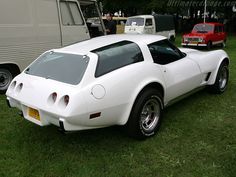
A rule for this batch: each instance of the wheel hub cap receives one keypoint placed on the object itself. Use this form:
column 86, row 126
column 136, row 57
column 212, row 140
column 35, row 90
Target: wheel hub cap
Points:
column 150, row 115
column 223, row 78
column 4, row 80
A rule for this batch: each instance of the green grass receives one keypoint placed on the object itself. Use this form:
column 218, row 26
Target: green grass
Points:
column 197, row 139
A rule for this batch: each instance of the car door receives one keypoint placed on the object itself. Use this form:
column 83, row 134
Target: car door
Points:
column 217, row 35
column 149, row 28
column 73, row 26
column 181, row 74
column 222, row 33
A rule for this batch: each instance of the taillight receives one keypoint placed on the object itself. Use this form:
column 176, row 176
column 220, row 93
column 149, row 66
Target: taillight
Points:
column 54, row 97
column 61, row 101
column 66, row 99
column 19, row 87
column 13, row 85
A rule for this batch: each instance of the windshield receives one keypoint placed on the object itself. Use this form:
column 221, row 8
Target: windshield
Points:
column 203, row 28
column 67, row 68
column 135, row 21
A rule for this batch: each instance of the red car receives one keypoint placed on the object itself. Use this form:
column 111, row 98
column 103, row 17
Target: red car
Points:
column 206, row 35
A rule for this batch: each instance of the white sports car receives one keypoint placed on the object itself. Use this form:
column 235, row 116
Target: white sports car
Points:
column 114, row 80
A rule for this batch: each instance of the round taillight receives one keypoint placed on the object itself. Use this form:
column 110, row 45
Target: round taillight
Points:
column 13, row 85
column 19, row 87
column 66, row 99
column 54, row 96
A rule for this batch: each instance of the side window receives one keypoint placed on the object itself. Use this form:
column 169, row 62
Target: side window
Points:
column 70, row 13
column 163, row 52
column 148, row 22
column 117, row 55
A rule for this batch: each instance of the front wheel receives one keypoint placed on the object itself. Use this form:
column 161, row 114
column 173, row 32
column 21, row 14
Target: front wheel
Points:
column 209, row 45
column 222, row 78
column 145, row 117
column 5, row 79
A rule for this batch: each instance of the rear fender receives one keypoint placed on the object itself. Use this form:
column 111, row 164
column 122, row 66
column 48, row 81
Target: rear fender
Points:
column 136, row 94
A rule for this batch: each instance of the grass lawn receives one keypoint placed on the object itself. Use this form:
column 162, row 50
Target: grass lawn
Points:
column 197, row 139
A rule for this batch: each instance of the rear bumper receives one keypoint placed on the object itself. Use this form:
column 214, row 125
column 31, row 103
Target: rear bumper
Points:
column 191, row 44
column 65, row 123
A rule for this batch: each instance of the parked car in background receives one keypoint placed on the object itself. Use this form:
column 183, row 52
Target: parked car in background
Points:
column 151, row 24
column 205, row 35
column 114, row 80
column 30, row 27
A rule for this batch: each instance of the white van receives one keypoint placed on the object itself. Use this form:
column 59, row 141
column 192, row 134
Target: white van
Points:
column 30, row 27
column 151, row 24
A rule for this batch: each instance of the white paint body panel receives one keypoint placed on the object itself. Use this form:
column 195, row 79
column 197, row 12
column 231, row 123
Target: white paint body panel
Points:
column 113, row 94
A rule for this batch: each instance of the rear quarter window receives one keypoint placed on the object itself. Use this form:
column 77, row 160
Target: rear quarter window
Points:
column 117, row 55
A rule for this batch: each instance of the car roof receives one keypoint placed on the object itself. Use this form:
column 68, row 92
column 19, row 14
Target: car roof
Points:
column 85, row 47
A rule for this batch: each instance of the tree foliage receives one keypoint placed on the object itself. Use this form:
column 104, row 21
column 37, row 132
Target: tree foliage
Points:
column 130, row 7
column 192, row 10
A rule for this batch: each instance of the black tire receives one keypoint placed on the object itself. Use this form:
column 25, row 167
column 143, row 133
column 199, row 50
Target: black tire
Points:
column 146, row 114
column 209, row 45
column 223, row 44
column 222, row 78
column 5, row 79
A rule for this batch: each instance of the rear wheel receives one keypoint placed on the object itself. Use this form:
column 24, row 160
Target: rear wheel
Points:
column 222, row 78
column 5, row 79
column 145, row 117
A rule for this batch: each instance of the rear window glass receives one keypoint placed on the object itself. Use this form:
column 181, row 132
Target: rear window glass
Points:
column 67, row 68
column 117, row 55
